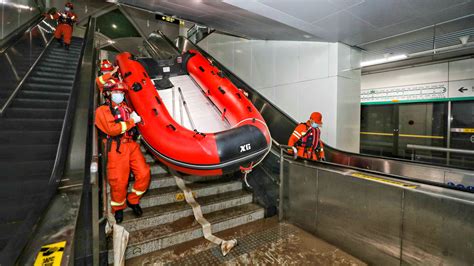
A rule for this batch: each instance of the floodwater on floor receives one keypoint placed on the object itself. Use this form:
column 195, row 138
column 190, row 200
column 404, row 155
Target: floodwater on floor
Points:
column 262, row 242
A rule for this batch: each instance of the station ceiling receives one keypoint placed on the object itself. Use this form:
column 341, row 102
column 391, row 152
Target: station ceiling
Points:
column 375, row 26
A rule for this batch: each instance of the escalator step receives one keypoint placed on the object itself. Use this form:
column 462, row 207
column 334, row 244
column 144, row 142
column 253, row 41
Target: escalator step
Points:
column 51, row 81
column 59, row 63
column 38, row 103
column 55, row 70
column 27, row 94
column 31, row 124
column 47, row 87
column 28, row 170
column 64, row 54
column 13, row 188
column 35, row 113
column 17, row 209
column 15, row 137
column 56, row 66
column 51, row 74
column 9, row 153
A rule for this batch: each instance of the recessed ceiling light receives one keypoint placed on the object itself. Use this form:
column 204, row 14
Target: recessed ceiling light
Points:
column 114, row 26
column 307, row 36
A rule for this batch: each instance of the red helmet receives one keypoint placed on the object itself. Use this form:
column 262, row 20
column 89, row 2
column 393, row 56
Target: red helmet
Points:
column 105, row 65
column 317, row 117
column 114, row 84
column 69, row 4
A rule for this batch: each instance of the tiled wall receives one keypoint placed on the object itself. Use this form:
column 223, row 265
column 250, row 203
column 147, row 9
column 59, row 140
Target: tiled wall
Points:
column 300, row 77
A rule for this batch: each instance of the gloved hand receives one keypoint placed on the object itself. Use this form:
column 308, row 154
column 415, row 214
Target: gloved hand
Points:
column 115, row 70
column 136, row 118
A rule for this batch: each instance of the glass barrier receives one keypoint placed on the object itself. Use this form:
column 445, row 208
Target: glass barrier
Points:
column 14, row 14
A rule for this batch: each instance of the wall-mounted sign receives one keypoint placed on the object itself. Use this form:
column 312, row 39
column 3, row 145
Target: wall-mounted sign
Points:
column 405, row 93
column 169, row 19
column 461, row 88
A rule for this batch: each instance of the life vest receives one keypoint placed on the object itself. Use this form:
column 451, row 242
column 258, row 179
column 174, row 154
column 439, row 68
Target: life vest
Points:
column 310, row 140
column 66, row 18
column 121, row 114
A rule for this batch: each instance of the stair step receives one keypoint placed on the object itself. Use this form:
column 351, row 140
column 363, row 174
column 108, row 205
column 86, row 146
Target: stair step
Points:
column 157, row 215
column 39, row 103
column 166, row 195
column 29, row 137
column 51, row 81
column 47, row 87
column 31, row 124
column 25, row 170
column 35, row 113
column 157, row 168
column 10, row 153
column 186, row 229
column 29, row 94
column 166, row 180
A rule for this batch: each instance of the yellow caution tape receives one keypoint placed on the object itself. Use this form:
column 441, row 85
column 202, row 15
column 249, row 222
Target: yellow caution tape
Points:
column 50, row 255
column 468, row 130
column 391, row 182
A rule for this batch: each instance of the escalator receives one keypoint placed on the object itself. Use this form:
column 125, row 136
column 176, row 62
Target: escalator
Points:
column 281, row 126
column 34, row 129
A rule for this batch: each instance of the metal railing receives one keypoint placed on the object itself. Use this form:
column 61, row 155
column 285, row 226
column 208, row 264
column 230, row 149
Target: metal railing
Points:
column 448, row 151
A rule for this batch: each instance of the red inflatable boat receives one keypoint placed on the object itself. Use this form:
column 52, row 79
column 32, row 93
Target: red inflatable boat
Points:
column 219, row 129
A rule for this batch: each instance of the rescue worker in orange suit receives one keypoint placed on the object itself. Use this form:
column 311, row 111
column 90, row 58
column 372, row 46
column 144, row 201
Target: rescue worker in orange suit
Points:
column 306, row 138
column 117, row 122
column 107, row 72
column 66, row 21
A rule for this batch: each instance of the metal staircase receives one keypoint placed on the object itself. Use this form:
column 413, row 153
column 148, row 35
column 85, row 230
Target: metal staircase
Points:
column 168, row 220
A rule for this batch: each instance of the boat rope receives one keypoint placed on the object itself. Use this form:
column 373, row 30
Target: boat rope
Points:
column 226, row 245
column 247, row 170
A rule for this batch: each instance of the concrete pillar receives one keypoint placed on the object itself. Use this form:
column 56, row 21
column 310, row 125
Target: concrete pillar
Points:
column 300, row 77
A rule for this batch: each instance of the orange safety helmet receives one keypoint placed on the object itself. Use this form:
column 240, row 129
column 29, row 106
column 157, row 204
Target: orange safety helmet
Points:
column 105, row 65
column 114, row 84
column 317, row 117
column 69, row 4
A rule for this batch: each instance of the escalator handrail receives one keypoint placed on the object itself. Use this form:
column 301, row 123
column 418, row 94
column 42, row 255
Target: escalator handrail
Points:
column 327, row 147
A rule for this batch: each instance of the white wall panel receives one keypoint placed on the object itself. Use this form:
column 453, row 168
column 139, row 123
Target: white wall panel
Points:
column 313, row 60
column 463, row 69
column 287, row 98
column 286, row 62
column 262, row 64
column 243, row 59
column 348, row 114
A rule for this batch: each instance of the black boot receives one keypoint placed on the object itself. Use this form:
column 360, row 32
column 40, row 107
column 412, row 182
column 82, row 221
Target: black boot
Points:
column 119, row 216
column 137, row 210
column 66, row 46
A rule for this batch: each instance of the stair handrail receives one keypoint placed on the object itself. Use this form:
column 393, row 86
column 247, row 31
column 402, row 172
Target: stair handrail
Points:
column 17, row 88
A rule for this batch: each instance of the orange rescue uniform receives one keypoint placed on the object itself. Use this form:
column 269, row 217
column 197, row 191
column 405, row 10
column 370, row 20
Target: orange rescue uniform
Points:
column 120, row 161
column 307, row 141
column 64, row 27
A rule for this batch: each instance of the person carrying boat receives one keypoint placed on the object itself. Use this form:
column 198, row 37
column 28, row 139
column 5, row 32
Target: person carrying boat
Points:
column 66, row 21
column 116, row 121
column 107, row 72
column 306, row 138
